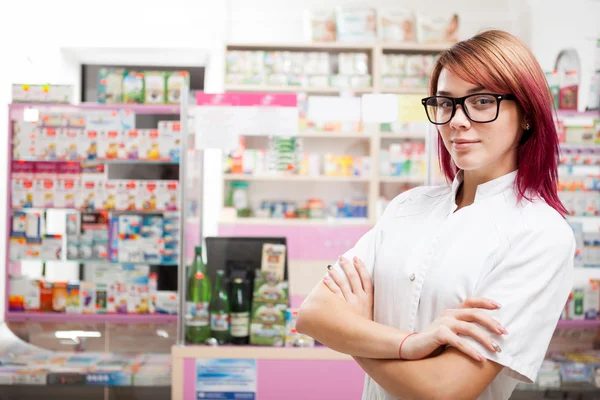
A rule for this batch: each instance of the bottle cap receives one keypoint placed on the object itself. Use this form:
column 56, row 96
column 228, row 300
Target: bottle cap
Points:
column 198, row 249
column 238, row 280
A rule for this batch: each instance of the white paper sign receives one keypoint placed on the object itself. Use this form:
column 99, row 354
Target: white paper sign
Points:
column 379, row 108
column 332, row 108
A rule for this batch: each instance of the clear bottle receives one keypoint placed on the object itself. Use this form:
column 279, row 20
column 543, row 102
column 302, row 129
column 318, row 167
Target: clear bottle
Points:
column 197, row 329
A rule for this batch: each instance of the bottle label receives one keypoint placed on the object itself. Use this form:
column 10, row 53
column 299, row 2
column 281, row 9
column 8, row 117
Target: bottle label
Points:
column 219, row 322
column 240, row 324
column 196, row 314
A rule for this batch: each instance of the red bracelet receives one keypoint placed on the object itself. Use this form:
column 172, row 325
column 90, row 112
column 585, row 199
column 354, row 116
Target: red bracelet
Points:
column 403, row 340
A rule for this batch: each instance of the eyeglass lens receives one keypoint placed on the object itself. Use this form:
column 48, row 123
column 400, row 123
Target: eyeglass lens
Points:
column 479, row 108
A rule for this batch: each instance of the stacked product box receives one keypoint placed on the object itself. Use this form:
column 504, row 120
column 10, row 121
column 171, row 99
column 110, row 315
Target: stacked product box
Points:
column 270, row 298
column 152, row 239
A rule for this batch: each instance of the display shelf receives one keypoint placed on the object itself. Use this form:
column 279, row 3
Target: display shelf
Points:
column 406, row 136
column 259, row 352
column 578, row 324
column 569, row 146
column 336, row 135
column 573, row 113
column 77, row 210
column 109, row 162
column 416, row 47
column 103, row 262
column 569, row 388
column 298, row 221
column 301, row 46
column 293, row 89
column 404, row 90
column 150, row 109
column 402, row 179
column 25, row 316
column 295, row 178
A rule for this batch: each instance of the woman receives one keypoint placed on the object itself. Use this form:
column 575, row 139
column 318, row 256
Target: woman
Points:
column 456, row 291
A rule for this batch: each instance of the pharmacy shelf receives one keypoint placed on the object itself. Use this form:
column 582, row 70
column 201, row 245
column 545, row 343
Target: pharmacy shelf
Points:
column 109, row 162
column 422, row 91
column 323, row 135
column 76, row 210
column 578, row 324
column 572, row 113
column 416, row 47
column 570, row 146
column 401, row 179
column 103, row 262
column 150, row 109
column 25, row 316
column 403, row 136
column 299, row 222
column 295, row 178
column 293, row 89
column 259, row 352
column 336, row 135
column 579, row 387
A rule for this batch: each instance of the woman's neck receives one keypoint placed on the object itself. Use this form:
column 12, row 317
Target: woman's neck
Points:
column 468, row 189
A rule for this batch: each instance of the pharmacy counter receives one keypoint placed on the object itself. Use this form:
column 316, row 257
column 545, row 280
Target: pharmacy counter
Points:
column 264, row 373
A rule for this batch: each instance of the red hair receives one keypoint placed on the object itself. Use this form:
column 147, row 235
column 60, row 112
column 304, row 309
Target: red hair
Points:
column 501, row 63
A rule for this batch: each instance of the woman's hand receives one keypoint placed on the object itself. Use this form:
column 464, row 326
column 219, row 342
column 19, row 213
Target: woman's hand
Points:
column 446, row 329
column 357, row 290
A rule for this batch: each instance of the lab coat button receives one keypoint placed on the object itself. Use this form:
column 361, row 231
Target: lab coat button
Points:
column 412, row 277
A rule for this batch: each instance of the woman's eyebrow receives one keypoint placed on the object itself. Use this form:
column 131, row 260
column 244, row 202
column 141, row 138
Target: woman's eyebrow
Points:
column 470, row 91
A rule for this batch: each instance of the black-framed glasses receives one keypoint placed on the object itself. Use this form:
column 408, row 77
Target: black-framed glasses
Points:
column 479, row 107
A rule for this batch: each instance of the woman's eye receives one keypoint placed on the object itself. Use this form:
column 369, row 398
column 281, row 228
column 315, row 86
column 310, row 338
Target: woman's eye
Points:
column 483, row 101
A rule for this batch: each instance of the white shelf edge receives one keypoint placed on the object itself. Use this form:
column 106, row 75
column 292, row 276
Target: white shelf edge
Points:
column 391, row 135
column 401, row 179
column 422, row 91
column 412, row 47
column 291, row 89
column 299, row 222
column 297, row 178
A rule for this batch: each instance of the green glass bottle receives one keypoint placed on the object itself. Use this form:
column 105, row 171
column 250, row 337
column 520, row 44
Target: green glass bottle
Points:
column 197, row 316
column 219, row 310
column 240, row 313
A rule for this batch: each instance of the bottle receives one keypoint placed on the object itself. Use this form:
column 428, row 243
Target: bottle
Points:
column 240, row 313
column 219, row 310
column 197, row 316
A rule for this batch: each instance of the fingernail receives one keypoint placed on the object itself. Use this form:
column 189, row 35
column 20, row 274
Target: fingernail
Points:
column 355, row 259
column 502, row 330
column 326, row 277
column 496, row 347
column 479, row 357
column 340, row 258
column 329, row 267
column 498, row 305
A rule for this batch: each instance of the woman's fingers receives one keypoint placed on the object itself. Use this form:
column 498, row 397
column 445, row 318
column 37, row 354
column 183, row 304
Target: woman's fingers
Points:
column 482, row 318
column 463, row 346
column 365, row 278
column 472, row 330
column 342, row 283
column 480, row 302
column 331, row 285
column 352, row 275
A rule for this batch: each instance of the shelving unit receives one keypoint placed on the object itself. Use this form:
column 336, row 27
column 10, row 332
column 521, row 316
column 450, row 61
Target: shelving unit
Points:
column 332, row 222
column 17, row 111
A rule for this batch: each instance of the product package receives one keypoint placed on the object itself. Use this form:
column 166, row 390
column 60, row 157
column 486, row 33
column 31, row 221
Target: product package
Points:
column 176, row 81
column 397, row 25
column 356, row 25
column 110, row 86
column 269, row 305
column 43, row 184
column 133, row 87
column 22, row 189
column 320, row 25
column 154, row 87
column 24, row 140
column 273, row 260
column 437, row 29
column 292, row 337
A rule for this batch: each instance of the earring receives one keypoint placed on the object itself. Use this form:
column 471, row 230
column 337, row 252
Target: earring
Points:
column 527, row 126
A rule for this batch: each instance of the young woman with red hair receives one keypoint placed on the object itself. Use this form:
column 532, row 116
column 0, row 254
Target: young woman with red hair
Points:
column 456, row 291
